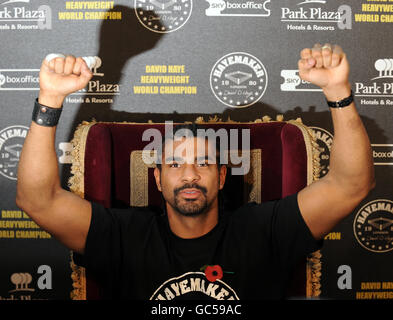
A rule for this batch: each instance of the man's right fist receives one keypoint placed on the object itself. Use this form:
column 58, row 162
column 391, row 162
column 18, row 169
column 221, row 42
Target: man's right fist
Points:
column 60, row 77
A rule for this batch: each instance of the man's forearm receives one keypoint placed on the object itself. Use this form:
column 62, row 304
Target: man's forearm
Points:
column 38, row 176
column 351, row 162
column 61, row 213
column 351, row 175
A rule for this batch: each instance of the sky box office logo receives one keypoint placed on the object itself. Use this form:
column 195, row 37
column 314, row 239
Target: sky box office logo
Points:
column 163, row 16
column 383, row 154
column 379, row 90
column 238, row 80
column 373, row 226
column 11, row 143
column 19, row 15
column 238, row 8
column 293, row 82
column 313, row 15
column 19, row 79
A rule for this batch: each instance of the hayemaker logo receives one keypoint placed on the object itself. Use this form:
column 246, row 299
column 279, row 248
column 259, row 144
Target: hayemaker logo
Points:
column 373, row 226
column 163, row 16
column 316, row 15
column 293, row 82
column 11, row 143
column 237, row 8
column 238, row 79
column 325, row 140
column 196, row 286
column 379, row 91
column 97, row 90
column 17, row 15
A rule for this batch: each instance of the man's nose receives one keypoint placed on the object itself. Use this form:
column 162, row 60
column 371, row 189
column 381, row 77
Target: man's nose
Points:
column 189, row 173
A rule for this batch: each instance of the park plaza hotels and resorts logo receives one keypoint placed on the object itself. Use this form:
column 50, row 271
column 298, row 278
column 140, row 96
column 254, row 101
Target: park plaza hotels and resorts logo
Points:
column 379, row 90
column 25, row 286
column 21, row 15
column 22, row 290
column 96, row 91
column 316, row 15
column 163, row 16
column 238, row 8
column 373, row 226
column 238, row 79
column 11, row 142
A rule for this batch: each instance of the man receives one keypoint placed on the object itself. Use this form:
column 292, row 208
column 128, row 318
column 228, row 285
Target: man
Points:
column 195, row 250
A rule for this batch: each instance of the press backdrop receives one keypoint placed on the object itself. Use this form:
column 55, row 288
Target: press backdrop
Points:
column 173, row 60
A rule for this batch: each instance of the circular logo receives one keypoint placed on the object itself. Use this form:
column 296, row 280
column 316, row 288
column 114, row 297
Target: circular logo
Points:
column 11, row 143
column 373, row 226
column 163, row 16
column 238, row 80
column 324, row 140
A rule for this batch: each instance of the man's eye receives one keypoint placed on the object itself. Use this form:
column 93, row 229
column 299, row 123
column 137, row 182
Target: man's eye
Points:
column 174, row 165
column 205, row 164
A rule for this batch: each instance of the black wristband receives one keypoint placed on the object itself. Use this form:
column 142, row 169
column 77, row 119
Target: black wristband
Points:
column 46, row 116
column 342, row 103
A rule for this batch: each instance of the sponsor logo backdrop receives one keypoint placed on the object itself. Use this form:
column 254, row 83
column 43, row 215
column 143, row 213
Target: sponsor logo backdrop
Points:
column 176, row 60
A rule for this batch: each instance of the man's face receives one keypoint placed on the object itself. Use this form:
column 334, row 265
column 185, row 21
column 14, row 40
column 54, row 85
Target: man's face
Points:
column 188, row 180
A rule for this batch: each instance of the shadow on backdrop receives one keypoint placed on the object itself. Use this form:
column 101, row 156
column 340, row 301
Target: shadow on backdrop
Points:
column 121, row 40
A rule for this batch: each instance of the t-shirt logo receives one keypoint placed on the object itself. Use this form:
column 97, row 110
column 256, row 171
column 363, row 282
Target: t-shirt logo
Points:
column 194, row 285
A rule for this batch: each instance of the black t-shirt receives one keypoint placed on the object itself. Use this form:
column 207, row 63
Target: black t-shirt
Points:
column 251, row 253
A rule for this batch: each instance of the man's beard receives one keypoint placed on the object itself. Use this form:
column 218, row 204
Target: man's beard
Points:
column 191, row 207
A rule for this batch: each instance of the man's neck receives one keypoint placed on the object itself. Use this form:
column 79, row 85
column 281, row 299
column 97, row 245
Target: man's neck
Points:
column 192, row 227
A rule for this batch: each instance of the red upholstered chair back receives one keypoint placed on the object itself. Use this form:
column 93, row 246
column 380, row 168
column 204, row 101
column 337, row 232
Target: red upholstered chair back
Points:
column 108, row 168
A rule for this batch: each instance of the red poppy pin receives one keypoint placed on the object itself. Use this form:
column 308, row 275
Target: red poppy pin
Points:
column 213, row 273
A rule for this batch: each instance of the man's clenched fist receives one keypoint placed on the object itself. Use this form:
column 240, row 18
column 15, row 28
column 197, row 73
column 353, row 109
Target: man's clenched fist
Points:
column 60, row 77
column 327, row 67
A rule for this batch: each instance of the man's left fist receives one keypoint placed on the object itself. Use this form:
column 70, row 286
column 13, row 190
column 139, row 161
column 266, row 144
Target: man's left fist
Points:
column 327, row 67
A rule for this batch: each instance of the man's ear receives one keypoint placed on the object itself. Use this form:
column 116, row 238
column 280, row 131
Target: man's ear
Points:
column 223, row 174
column 157, row 176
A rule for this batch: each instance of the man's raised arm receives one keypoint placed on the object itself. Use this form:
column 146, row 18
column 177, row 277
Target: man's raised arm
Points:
column 39, row 193
column 351, row 176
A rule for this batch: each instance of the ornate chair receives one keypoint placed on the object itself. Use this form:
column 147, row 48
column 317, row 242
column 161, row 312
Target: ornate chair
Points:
column 108, row 168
